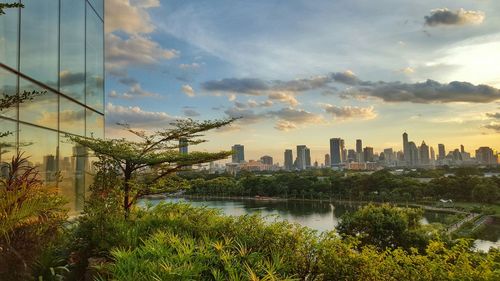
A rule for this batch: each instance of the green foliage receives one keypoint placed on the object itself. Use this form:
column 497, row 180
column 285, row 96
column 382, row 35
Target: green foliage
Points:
column 4, row 6
column 30, row 216
column 486, row 192
column 180, row 242
column 386, row 226
column 155, row 156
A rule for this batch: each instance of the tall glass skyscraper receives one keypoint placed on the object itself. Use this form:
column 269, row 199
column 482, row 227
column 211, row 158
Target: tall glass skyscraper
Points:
column 56, row 47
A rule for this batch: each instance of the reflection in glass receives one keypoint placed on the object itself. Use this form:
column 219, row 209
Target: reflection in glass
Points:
column 8, row 37
column 41, row 147
column 72, row 168
column 95, row 125
column 71, row 117
column 94, row 62
column 39, row 40
column 98, row 6
column 72, row 52
column 8, row 86
column 7, row 145
column 42, row 110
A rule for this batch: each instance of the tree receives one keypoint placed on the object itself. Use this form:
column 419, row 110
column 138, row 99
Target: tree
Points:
column 154, row 156
column 486, row 192
column 386, row 226
column 9, row 5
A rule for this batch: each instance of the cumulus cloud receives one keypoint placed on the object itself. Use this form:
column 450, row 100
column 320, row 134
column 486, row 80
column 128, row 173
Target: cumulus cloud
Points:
column 188, row 90
column 283, row 125
column 284, row 98
column 296, row 116
column 250, row 86
column 129, row 16
column 189, row 112
column 135, row 91
column 350, row 112
column 136, row 50
column 246, row 116
column 460, row 17
column 137, row 117
column 67, row 117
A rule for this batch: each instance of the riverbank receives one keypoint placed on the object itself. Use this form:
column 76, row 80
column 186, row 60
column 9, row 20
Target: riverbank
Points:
column 345, row 202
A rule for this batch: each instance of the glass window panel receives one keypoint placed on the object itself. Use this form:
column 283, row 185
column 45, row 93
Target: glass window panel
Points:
column 72, row 52
column 39, row 40
column 41, row 147
column 42, row 110
column 72, row 168
column 8, row 37
column 7, row 145
column 98, row 6
column 71, row 117
column 95, row 125
column 8, row 86
column 94, row 62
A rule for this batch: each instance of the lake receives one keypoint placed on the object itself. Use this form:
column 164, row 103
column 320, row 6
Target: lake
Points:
column 321, row 216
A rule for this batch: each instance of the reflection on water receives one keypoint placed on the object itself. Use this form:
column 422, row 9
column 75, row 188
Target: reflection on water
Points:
column 321, row 216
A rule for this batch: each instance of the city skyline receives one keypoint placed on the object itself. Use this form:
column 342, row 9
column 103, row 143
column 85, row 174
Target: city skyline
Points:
column 298, row 75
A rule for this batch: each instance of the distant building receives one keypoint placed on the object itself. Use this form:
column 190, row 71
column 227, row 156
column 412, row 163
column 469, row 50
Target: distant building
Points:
column 327, row 160
column 406, row 149
column 335, row 152
column 433, row 154
column 413, row 155
column 485, row 156
column 441, row 151
column 390, row 156
column 351, row 155
column 308, row 157
column 368, row 154
column 301, row 157
column 288, row 160
column 255, row 166
column 238, row 153
column 268, row 160
column 424, row 155
column 359, row 150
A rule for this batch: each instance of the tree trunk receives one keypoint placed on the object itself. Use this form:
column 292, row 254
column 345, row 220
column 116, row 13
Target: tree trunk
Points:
column 126, row 196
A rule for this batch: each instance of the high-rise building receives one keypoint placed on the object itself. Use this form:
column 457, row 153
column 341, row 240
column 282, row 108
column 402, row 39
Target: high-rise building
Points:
column 266, row 159
column 183, row 145
column 359, row 151
column 389, row 155
column 343, row 150
column 485, row 156
column 351, row 155
column 462, row 148
column 441, row 151
column 433, row 154
column 406, row 148
column 327, row 160
column 413, row 154
column 301, row 157
column 368, row 154
column 288, row 160
column 238, row 153
column 335, row 152
column 424, row 154
column 56, row 47
column 308, row 157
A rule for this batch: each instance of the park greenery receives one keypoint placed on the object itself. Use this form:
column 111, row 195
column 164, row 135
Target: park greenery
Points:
column 380, row 186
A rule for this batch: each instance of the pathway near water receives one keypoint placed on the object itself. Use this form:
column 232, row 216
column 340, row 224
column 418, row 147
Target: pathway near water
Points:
column 457, row 225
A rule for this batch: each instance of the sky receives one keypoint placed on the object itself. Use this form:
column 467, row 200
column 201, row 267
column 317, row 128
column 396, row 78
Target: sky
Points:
column 302, row 72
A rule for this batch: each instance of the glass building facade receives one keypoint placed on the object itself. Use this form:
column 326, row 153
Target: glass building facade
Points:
column 54, row 46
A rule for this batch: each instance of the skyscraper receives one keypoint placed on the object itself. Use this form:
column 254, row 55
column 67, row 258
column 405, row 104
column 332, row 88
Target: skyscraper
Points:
column 433, row 154
column 441, row 151
column 308, row 157
column 424, row 154
column 359, row 151
column 288, row 160
column 368, row 154
column 301, row 157
column 413, row 154
column 406, row 148
column 343, row 151
column 238, row 153
column 485, row 156
column 56, row 47
column 335, row 152
column 266, row 159
column 327, row 160
column 351, row 155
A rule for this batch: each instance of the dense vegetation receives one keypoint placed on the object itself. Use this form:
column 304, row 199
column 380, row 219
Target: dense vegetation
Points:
column 379, row 186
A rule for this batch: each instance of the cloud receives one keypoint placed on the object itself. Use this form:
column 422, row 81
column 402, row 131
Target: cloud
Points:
column 137, row 117
column 283, row 125
column 284, row 97
column 129, row 16
column 493, row 126
column 407, row 70
column 347, row 77
column 493, row 115
column 68, row 117
column 188, row 91
column 250, row 86
column 297, row 116
column 68, row 78
column 350, row 112
column 460, row 17
column 190, row 66
column 189, row 112
column 247, row 116
column 135, row 91
column 129, row 81
column 135, row 50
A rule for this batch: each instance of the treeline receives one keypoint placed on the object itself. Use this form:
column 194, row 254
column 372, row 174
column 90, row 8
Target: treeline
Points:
column 379, row 186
